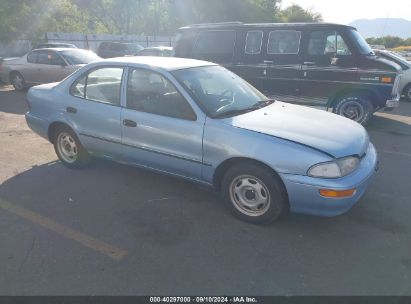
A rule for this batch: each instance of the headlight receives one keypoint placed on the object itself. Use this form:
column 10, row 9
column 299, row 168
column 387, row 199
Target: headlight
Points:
column 338, row 168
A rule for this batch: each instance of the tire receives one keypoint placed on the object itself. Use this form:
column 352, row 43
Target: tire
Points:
column 407, row 92
column 357, row 108
column 18, row 82
column 69, row 149
column 254, row 193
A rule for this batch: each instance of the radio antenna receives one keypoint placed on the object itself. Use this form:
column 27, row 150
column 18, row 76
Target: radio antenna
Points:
column 385, row 24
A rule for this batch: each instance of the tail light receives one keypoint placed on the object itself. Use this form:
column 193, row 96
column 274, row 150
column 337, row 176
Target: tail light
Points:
column 28, row 104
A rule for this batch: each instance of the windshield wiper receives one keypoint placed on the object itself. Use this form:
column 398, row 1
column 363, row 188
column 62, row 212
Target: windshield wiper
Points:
column 231, row 113
column 262, row 103
column 258, row 105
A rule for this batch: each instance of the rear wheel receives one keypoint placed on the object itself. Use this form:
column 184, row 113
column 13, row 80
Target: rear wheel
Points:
column 254, row 193
column 18, row 81
column 69, row 149
column 357, row 108
column 407, row 92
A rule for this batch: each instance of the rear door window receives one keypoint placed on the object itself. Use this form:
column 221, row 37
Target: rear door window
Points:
column 215, row 46
column 101, row 85
column 283, row 42
column 32, row 57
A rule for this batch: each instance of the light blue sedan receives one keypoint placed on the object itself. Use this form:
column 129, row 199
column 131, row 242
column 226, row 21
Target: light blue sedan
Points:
column 197, row 120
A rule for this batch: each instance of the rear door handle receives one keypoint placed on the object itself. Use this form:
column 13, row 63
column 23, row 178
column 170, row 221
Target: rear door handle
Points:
column 309, row 62
column 71, row 110
column 129, row 123
column 268, row 61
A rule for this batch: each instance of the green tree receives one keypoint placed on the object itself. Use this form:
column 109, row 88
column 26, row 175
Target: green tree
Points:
column 150, row 17
column 296, row 13
column 389, row 41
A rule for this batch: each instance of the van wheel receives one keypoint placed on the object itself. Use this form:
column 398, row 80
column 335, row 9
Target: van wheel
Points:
column 357, row 108
column 69, row 149
column 18, row 81
column 254, row 194
column 407, row 92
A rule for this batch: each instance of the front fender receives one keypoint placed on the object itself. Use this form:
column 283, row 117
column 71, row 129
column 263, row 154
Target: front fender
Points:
column 222, row 142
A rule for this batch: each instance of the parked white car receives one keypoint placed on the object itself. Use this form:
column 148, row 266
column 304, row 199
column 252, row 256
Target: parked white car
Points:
column 405, row 83
column 43, row 66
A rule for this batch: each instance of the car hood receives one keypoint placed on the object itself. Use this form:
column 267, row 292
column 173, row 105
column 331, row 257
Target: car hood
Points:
column 330, row 133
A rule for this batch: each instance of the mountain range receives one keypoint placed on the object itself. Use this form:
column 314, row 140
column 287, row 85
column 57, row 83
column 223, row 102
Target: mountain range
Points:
column 383, row 27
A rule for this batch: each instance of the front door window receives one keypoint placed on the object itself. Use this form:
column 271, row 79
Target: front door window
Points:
column 325, row 46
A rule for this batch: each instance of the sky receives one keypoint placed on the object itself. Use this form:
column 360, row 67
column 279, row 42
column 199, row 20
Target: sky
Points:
column 346, row 11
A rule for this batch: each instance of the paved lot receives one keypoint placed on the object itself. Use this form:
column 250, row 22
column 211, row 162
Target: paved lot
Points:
column 112, row 229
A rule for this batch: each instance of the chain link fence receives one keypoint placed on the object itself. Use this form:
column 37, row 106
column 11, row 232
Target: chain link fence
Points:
column 19, row 47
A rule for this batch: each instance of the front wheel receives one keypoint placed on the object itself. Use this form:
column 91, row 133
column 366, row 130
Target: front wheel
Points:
column 407, row 92
column 356, row 108
column 18, row 81
column 254, row 193
column 69, row 149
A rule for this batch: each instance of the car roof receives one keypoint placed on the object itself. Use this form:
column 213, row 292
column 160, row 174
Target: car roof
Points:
column 55, row 43
column 158, row 48
column 234, row 25
column 59, row 49
column 118, row 42
column 165, row 63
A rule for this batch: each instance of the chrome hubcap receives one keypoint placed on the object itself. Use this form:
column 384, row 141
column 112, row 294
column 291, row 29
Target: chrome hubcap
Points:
column 250, row 195
column 353, row 110
column 67, row 147
column 18, row 82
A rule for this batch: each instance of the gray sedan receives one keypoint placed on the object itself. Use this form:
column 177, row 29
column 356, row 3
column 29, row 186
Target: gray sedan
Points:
column 44, row 66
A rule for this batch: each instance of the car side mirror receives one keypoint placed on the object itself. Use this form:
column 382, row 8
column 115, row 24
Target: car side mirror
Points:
column 334, row 61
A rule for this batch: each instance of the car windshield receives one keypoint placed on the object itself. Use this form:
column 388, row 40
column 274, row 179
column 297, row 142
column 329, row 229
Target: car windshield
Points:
column 134, row 48
column 219, row 92
column 360, row 42
column 79, row 56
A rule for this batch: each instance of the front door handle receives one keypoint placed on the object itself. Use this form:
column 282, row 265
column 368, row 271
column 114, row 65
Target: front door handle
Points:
column 268, row 61
column 71, row 110
column 309, row 63
column 129, row 123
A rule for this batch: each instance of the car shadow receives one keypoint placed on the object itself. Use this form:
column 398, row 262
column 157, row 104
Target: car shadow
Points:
column 12, row 101
column 154, row 206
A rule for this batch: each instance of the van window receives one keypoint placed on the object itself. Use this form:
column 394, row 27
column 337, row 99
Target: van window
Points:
column 327, row 43
column 216, row 46
column 283, row 42
column 253, row 42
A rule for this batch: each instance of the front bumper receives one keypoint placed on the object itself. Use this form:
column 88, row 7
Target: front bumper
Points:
column 390, row 104
column 304, row 196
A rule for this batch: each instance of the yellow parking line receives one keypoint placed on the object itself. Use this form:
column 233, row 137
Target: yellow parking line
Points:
column 90, row 242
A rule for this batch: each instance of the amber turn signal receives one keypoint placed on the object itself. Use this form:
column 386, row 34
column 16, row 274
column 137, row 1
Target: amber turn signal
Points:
column 386, row 79
column 336, row 193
